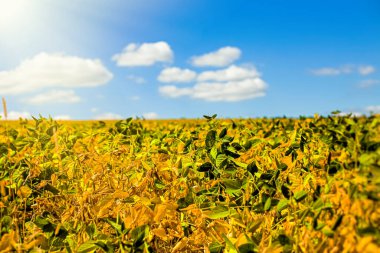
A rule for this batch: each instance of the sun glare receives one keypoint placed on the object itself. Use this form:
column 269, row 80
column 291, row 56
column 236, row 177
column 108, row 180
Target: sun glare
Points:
column 10, row 10
column 13, row 13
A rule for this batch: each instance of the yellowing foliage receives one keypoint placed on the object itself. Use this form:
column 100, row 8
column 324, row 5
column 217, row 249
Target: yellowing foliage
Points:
column 262, row 185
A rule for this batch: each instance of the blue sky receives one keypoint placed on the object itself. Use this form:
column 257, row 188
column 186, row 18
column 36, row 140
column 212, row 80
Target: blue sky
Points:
column 102, row 59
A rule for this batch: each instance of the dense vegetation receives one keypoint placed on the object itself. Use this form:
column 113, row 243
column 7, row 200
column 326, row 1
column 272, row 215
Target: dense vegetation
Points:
column 248, row 185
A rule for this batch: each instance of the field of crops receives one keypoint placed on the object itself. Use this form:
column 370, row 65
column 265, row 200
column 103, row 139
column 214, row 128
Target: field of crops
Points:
column 244, row 185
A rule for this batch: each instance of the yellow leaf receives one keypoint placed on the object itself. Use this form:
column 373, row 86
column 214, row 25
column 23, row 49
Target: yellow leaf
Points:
column 54, row 179
column 180, row 147
column 366, row 245
column 159, row 212
column 103, row 206
column 120, row 194
column 180, row 245
column 24, row 191
column 161, row 233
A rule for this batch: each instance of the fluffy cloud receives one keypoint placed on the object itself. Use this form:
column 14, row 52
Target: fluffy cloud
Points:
column 373, row 109
column 55, row 96
column 366, row 70
column 108, row 116
column 347, row 69
column 353, row 114
column 150, row 115
column 173, row 91
column 368, row 83
column 220, row 58
column 13, row 115
column 176, row 75
column 62, row 117
column 332, row 71
column 231, row 84
column 231, row 91
column 232, row 73
column 136, row 79
column 145, row 54
column 135, row 98
column 53, row 70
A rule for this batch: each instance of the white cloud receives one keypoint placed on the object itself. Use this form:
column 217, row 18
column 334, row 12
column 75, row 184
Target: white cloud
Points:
column 328, row 71
column 230, row 84
column 136, row 79
column 108, row 116
column 232, row 73
column 145, row 54
column 220, row 58
column 353, row 114
column 62, row 117
column 150, row 115
column 373, row 109
column 173, row 91
column 53, row 70
column 176, row 75
column 346, row 69
column 13, row 115
column 368, row 83
column 135, row 98
column 366, row 70
column 94, row 109
column 55, row 96
column 231, row 91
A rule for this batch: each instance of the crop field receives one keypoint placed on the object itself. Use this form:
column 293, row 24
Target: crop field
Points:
column 207, row 185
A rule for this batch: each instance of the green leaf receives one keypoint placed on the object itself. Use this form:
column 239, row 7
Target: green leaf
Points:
column 317, row 204
column 118, row 227
column 337, row 222
column 231, row 151
column 335, row 112
column 219, row 212
column 91, row 230
column 289, row 151
column 285, row 191
column 139, row 234
column 268, row 204
column 266, row 176
column 240, row 164
column 230, row 245
column 210, row 139
column 205, row 167
column 41, row 222
column 50, row 131
column 159, row 184
column 318, row 225
column 51, row 189
column 216, row 247
column 282, row 205
column 246, row 246
column 210, row 117
column 89, row 246
column 328, row 232
column 3, row 149
column 253, row 226
column 232, row 185
column 300, row 195
column 106, row 246
column 214, row 153
column 223, row 133
column 221, row 161
column 282, row 166
column 368, row 231
column 252, row 168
